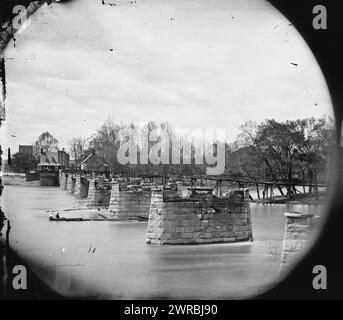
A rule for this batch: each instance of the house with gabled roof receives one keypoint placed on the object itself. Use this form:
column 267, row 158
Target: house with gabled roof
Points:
column 49, row 165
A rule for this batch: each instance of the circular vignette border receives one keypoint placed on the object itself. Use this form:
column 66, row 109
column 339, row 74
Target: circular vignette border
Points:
column 297, row 283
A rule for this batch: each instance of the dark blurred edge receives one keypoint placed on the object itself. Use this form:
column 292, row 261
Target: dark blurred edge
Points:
column 37, row 290
column 325, row 45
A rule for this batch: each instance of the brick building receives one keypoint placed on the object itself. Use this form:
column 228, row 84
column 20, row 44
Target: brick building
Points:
column 26, row 149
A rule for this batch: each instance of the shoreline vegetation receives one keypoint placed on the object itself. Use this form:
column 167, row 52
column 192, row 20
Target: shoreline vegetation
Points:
column 304, row 198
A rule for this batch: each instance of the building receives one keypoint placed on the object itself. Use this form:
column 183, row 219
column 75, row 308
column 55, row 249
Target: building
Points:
column 93, row 163
column 60, row 158
column 49, row 165
column 26, row 149
column 63, row 159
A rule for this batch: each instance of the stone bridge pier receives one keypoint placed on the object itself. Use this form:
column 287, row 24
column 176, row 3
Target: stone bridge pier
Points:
column 71, row 183
column 128, row 204
column 298, row 230
column 81, row 187
column 179, row 188
column 113, row 208
column 98, row 195
column 63, row 180
column 199, row 219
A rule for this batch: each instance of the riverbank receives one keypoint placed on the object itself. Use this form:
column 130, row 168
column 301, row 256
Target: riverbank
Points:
column 302, row 198
column 17, row 179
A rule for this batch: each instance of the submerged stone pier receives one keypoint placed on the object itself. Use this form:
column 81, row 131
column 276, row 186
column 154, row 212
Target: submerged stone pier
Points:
column 297, row 232
column 199, row 218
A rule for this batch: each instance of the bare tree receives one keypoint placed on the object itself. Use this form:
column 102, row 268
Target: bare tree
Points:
column 47, row 142
column 77, row 147
column 293, row 151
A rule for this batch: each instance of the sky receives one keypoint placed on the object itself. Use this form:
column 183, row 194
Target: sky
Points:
column 197, row 64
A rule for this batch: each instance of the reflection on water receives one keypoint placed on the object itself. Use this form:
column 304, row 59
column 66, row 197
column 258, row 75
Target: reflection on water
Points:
column 112, row 260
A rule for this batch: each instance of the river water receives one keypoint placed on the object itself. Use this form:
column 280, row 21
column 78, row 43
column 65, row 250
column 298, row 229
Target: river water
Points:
column 111, row 259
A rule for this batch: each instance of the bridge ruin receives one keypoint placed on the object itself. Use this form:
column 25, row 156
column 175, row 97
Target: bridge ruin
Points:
column 200, row 218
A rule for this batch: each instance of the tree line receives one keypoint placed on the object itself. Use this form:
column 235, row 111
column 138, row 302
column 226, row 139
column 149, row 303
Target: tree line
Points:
column 288, row 152
column 285, row 151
